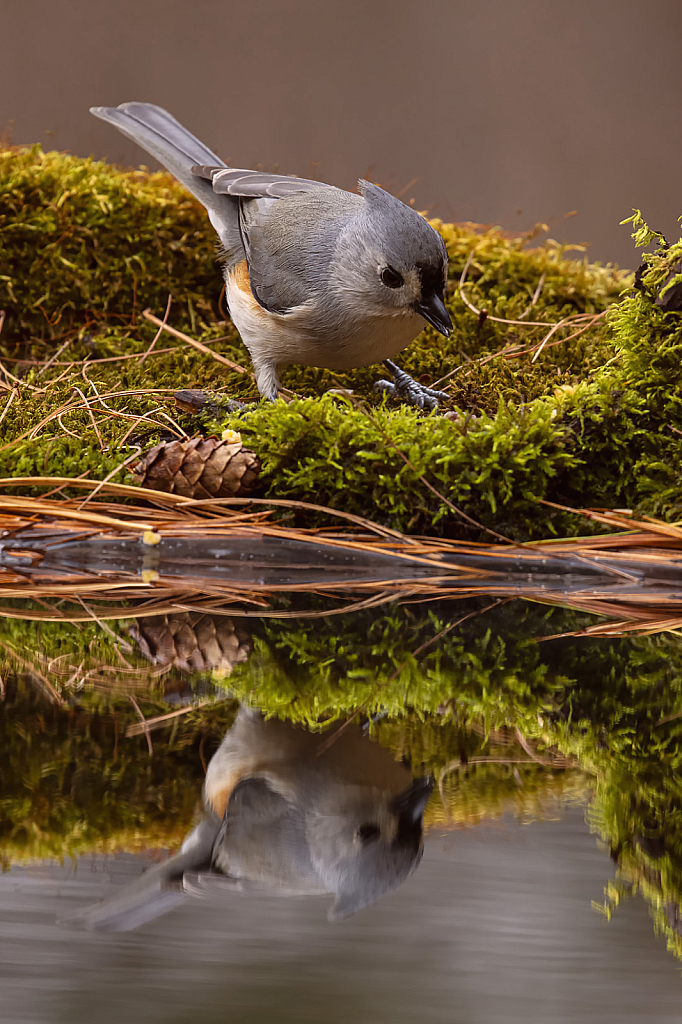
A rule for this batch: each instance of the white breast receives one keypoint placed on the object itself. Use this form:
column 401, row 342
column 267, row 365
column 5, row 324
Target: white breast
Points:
column 299, row 336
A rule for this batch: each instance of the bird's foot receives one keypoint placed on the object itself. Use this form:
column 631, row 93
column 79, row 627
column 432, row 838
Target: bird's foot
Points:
column 406, row 387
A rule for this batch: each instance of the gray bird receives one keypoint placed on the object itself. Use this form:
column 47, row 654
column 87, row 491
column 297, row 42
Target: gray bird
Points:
column 286, row 811
column 313, row 274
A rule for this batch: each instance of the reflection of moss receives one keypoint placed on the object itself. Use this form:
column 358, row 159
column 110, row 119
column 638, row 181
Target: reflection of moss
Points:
column 75, row 784
column 72, row 783
column 638, row 813
column 642, row 825
column 610, row 708
column 488, row 667
column 622, row 721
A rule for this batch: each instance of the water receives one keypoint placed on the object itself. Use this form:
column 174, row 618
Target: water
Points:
column 556, row 776
column 495, row 926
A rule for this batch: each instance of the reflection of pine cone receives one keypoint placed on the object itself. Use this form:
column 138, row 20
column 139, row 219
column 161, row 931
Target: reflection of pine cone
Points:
column 204, row 467
column 192, row 641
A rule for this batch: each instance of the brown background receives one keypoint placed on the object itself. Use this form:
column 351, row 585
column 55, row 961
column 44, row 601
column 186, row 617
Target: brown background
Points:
column 502, row 111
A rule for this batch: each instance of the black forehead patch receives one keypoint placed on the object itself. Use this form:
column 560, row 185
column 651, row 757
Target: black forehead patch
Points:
column 432, row 277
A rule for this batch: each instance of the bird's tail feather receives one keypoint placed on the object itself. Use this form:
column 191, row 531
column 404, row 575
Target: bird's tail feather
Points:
column 154, row 893
column 164, row 138
column 158, row 890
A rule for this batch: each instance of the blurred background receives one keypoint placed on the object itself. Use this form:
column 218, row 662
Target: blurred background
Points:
column 505, row 112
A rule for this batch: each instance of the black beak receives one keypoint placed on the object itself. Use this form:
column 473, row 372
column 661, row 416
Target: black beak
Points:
column 412, row 803
column 433, row 309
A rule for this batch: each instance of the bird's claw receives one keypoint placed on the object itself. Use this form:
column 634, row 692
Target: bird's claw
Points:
column 406, row 387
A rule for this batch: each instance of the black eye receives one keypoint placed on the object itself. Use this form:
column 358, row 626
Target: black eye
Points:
column 391, row 278
column 368, row 833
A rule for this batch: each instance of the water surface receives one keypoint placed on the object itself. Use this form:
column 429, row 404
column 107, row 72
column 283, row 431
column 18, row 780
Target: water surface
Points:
column 556, row 776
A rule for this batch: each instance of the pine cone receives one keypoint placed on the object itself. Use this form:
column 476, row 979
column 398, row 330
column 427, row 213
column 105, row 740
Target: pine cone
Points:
column 204, row 467
column 192, row 641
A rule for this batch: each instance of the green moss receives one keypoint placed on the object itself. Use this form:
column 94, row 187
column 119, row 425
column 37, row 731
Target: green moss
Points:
column 83, row 241
column 627, row 420
column 330, row 449
column 595, row 420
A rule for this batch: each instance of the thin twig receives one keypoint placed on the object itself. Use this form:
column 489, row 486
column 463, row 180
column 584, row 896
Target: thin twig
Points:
column 529, row 750
column 66, row 429
column 18, row 380
column 159, row 331
column 92, row 418
column 457, row 763
column 54, row 695
column 109, row 476
column 562, row 323
column 497, row 319
column 668, row 718
column 174, row 424
column 148, row 315
column 536, row 296
column 12, row 395
column 148, row 724
column 54, row 358
column 509, row 352
column 135, row 424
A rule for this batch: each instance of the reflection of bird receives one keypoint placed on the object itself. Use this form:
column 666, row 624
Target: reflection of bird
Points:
column 287, row 811
column 314, row 275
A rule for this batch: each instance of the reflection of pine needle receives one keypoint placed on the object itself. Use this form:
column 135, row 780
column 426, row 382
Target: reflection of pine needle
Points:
column 144, row 726
column 556, row 762
column 147, row 724
column 33, row 672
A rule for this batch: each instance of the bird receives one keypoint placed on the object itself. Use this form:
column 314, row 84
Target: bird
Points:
column 289, row 811
column 314, row 275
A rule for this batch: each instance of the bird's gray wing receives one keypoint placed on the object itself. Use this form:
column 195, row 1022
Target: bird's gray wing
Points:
column 157, row 131
column 289, row 244
column 276, row 236
column 154, row 893
column 233, row 181
column 263, row 840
